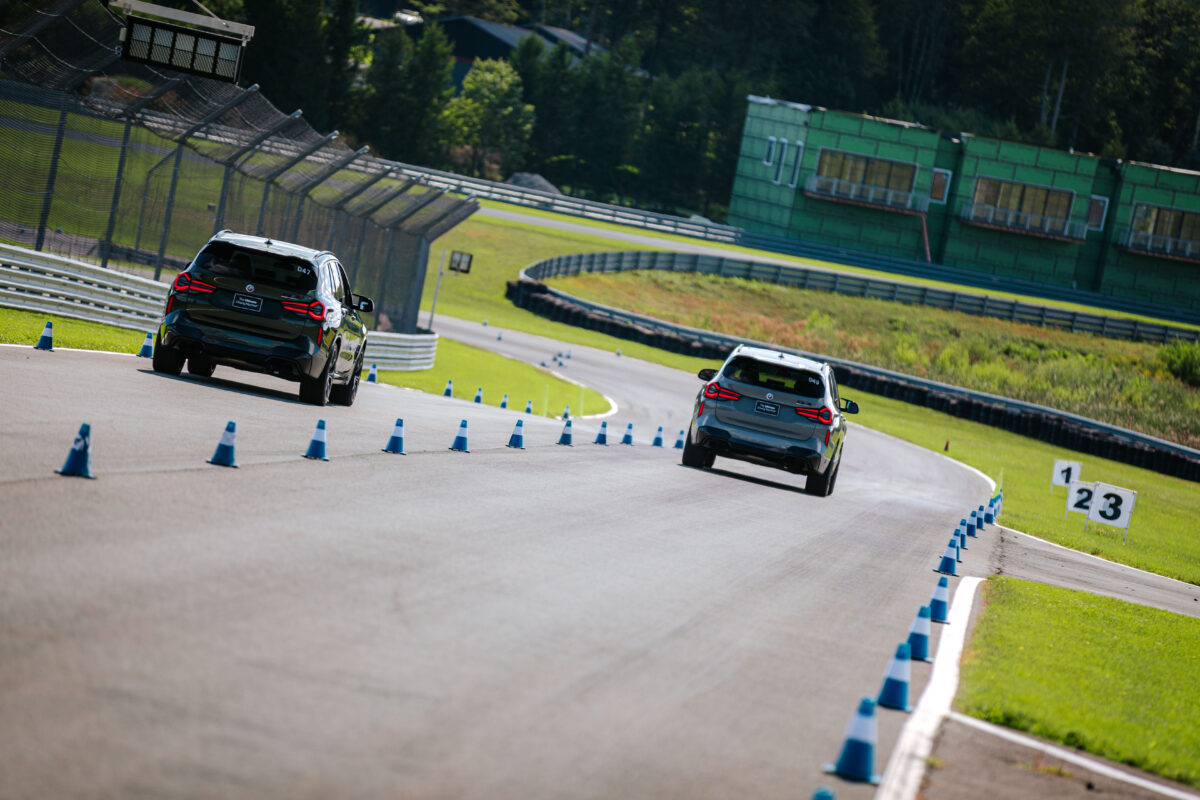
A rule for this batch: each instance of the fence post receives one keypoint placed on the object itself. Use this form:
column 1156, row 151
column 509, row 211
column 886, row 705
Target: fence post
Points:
column 44, row 220
column 106, row 245
column 162, row 242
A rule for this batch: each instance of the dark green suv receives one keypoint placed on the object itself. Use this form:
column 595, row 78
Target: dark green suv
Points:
column 266, row 306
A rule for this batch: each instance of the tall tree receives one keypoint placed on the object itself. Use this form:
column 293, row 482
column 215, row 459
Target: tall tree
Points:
column 550, row 83
column 408, row 87
column 343, row 34
column 288, row 56
column 490, row 120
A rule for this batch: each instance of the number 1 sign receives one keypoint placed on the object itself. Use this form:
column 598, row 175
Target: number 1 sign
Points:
column 1065, row 472
column 1112, row 505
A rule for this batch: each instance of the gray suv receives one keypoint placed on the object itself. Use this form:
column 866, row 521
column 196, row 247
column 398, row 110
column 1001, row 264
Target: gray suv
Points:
column 774, row 409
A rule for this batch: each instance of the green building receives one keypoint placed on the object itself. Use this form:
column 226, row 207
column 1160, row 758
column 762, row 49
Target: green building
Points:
column 897, row 188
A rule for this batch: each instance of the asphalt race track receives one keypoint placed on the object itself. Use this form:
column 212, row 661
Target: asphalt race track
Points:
column 548, row 622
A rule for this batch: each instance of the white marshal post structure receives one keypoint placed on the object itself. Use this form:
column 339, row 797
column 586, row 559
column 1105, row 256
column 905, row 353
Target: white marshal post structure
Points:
column 183, row 41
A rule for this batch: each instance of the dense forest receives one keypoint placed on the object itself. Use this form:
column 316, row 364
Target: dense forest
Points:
column 653, row 114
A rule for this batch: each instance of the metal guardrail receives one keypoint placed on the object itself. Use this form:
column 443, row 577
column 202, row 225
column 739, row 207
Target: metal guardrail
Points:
column 564, row 265
column 855, row 286
column 50, row 284
column 838, row 189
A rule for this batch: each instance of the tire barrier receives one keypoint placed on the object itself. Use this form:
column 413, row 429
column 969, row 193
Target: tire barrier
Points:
column 1038, row 422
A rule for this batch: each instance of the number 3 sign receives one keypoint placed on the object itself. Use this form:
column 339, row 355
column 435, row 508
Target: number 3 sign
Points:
column 1112, row 505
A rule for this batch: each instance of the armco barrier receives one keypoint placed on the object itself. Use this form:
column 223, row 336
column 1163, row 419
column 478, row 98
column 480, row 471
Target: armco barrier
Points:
column 858, row 286
column 50, row 284
column 1045, row 424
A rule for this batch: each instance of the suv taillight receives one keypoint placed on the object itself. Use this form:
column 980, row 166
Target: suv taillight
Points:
column 822, row 415
column 314, row 310
column 715, row 391
column 186, row 283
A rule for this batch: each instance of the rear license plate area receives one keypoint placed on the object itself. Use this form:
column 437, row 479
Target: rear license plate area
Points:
column 763, row 407
column 245, row 302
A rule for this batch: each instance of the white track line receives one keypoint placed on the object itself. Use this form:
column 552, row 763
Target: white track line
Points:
column 1072, row 757
column 906, row 767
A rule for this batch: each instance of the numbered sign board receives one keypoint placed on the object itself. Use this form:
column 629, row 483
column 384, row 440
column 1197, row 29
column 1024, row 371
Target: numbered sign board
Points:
column 1065, row 472
column 1079, row 497
column 460, row 262
column 1112, row 505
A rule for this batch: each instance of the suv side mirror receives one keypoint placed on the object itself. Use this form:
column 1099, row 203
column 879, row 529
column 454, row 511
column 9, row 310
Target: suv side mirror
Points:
column 363, row 304
column 850, row 407
column 706, row 374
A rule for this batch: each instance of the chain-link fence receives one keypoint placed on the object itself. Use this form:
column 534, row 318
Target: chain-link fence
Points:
column 123, row 163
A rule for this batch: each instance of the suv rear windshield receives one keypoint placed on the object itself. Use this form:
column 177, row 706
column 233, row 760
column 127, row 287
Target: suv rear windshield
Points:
column 222, row 258
column 780, row 377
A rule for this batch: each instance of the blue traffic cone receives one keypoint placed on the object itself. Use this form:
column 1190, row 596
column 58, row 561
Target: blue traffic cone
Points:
column 565, row 438
column 396, row 443
column 528, row 406
column 960, row 536
column 479, row 395
column 679, row 441
column 980, row 521
column 628, row 437
column 79, row 457
column 499, row 337
column 823, row 793
column 47, row 340
column 485, row 322
column 223, row 456
column 517, row 439
column 658, row 442
column 970, row 524
column 602, row 436
column 957, row 549
column 568, row 354
column 894, row 692
column 566, row 412
column 989, row 515
column 460, row 441
column 449, row 390
column 918, row 636
column 373, row 375
column 949, row 559
column 939, row 606
column 316, row 447
column 856, row 762
column 504, row 401
column 147, row 350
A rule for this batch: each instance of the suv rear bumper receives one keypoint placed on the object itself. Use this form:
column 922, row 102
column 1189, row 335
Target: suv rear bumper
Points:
column 289, row 360
column 797, row 458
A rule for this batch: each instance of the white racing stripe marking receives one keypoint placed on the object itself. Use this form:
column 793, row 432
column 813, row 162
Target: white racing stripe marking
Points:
column 1072, row 757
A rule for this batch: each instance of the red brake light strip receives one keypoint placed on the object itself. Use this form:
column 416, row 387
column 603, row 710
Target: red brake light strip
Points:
column 822, row 415
column 715, row 391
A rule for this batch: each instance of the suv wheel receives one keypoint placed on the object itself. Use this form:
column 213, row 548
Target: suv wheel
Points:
column 166, row 360
column 821, row 484
column 694, row 455
column 316, row 390
column 199, row 365
column 345, row 394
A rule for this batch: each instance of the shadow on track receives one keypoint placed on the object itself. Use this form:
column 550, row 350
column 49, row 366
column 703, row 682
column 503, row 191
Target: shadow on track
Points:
column 224, row 384
column 749, row 479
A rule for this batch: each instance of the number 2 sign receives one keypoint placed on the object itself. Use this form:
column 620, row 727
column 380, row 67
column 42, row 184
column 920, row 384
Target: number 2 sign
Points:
column 1079, row 497
column 1112, row 505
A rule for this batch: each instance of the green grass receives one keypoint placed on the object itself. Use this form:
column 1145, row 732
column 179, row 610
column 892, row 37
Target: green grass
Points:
column 471, row 368
column 25, row 327
column 1123, row 383
column 1162, row 532
column 1115, row 679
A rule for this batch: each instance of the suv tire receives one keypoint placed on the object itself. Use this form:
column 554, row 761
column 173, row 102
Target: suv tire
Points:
column 199, row 365
column 345, row 394
column 166, row 360
column 694, row 455
column 821, row 484
column 317, row 390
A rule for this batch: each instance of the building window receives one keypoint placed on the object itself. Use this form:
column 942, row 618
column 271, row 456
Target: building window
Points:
column 866, row 171
column 1097, row 212
column 770, row 154
column 939, row 187
column 1167, row 223
column 783, row 143
column 796, row 166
